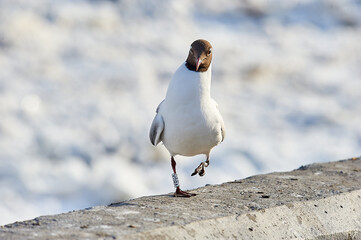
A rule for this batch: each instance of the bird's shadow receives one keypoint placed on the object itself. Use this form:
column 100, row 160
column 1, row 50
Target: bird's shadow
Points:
column 120, row 204
column 125, row 203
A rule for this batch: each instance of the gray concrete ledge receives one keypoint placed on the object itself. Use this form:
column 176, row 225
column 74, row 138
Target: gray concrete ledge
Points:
column 318, row 201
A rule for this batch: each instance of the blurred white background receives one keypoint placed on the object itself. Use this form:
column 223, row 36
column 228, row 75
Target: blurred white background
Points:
column 80, row 82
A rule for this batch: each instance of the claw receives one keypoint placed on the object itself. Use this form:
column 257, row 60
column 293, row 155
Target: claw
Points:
column 199, row 170
column 202, row 172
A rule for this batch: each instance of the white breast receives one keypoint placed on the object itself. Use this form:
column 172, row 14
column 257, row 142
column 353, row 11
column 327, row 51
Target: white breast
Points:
column 191, row 118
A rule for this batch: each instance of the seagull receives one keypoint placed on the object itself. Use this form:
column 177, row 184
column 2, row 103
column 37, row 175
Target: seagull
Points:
column 188, row 121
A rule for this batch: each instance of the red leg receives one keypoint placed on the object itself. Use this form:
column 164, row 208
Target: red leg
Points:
column 178, row 191
column 173, row 165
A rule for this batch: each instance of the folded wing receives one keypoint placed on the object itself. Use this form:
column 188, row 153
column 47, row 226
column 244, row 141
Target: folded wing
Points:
column 156, row 130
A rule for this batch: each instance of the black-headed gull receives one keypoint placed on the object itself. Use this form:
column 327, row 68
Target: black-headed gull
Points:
column 188, row 121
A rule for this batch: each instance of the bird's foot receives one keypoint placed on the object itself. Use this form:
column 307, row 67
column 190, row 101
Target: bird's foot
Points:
column 200, row 170
column 180, row 193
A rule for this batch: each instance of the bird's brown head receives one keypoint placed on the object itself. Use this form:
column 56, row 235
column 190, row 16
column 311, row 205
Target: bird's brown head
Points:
column 200, row 56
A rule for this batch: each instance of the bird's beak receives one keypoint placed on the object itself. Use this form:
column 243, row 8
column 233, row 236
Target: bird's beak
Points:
column 199, row 61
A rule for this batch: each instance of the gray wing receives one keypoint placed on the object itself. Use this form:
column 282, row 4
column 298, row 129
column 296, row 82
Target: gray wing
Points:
column 156, row 130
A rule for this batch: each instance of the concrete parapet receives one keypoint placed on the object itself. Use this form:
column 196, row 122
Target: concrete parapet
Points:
column 317, row 201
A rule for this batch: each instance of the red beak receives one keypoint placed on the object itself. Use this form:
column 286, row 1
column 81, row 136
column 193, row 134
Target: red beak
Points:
column 198, row 64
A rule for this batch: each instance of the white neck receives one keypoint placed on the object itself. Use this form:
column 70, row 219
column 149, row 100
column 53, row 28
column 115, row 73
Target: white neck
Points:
column 189, row 85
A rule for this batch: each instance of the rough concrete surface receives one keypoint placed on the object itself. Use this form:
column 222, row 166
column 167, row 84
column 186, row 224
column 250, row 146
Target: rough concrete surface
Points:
column 317, row 201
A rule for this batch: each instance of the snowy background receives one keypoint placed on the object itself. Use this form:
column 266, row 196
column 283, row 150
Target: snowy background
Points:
column 80, row 82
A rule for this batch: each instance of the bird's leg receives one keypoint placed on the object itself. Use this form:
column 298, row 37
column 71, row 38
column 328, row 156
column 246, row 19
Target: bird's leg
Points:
column 200, row 169
column 178, row 191
column 207, row 162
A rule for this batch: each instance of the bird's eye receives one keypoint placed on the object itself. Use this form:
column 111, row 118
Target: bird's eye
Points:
column 209, row 51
